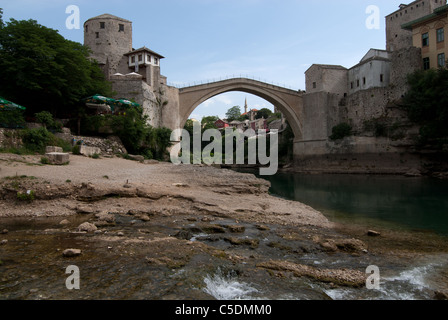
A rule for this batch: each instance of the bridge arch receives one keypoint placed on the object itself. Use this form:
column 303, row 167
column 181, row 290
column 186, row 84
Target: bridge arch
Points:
column 289, row 102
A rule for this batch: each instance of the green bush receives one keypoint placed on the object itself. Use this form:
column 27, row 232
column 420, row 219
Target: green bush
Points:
column 36, row 139
column 131, row 127
column 27, row 196
column 341, row 131
column 12, row 119
column 44, row 160
column 76, row 149
column 45, row 118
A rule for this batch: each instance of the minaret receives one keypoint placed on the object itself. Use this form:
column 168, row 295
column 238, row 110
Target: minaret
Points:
column 245, row 106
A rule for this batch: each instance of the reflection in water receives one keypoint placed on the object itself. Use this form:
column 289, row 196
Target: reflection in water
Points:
column 416, row 203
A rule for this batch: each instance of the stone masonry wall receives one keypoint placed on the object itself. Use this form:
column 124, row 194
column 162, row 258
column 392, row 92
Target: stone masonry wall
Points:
column 133, row 88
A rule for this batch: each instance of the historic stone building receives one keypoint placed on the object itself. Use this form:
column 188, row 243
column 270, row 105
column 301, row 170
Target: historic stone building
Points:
column 428, row 34
column 398, row 38
column 367, row 95
column 134, row 73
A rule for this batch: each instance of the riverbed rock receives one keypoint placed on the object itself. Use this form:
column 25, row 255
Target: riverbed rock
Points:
column 440, row 295
column 85, row 210
column 347, row 245
column 4, row 231
column 373, row 233
column 262, row 227
column 87, row 227
column 236, row 228
column 69, row 253
column 64, row 222
column 343, row 277
column 253, row 243
column 213, row 228
column 106, row 217
column 3, row 242
column 183, row 235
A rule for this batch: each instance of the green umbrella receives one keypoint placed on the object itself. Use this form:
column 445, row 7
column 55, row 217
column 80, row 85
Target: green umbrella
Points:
column 8, row 105
column 99, row 99
column 127, row 103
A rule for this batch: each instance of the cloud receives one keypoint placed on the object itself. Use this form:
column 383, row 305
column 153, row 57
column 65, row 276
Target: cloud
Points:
column 218, row 100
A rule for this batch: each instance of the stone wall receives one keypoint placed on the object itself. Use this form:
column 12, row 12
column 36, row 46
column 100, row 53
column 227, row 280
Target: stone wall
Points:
column 133, row 88
column 9, row 138
column 170, row 112
column 404, row 62
column 321, row 113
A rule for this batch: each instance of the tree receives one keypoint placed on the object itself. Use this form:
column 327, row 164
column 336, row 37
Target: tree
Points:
column 263, row 113
column 209, row 122
column 427, row 104
column 1, row 18
column 233, row 113
column 41, row 70
column 45, row 118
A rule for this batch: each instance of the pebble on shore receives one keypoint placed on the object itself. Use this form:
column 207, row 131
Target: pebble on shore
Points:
column 71, row 253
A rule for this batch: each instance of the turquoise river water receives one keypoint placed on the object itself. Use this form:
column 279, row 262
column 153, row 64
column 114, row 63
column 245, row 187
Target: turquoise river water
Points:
column 386, row 201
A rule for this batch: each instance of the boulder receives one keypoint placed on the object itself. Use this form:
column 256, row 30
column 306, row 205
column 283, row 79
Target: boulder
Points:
column 87, row 226
column 51, row 149
column 89, row 151
column 136, row 157
column 58, row 158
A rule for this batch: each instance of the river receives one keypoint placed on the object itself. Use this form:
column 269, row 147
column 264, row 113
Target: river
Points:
column 384, row 201
column 134, row 258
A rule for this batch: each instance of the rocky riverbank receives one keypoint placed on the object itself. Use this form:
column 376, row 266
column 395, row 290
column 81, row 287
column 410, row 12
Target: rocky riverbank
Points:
column 156, row 231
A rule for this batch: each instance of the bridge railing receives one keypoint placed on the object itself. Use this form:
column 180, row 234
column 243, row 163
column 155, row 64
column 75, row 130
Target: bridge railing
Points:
column 235, row 76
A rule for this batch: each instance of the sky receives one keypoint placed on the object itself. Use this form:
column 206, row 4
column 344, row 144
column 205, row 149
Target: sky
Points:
column 207, row 40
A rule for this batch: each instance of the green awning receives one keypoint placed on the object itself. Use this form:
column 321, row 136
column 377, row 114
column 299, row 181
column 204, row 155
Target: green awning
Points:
column 8, row 105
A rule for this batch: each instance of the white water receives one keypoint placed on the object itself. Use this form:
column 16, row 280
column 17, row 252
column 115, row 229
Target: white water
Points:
column 411, row 284
column 227, row 287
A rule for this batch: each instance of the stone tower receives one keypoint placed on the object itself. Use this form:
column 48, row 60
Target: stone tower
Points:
column 110, row 38
column 396, row 37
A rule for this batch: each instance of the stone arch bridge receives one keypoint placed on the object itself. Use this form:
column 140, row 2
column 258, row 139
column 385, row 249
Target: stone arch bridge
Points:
column 288, row 101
